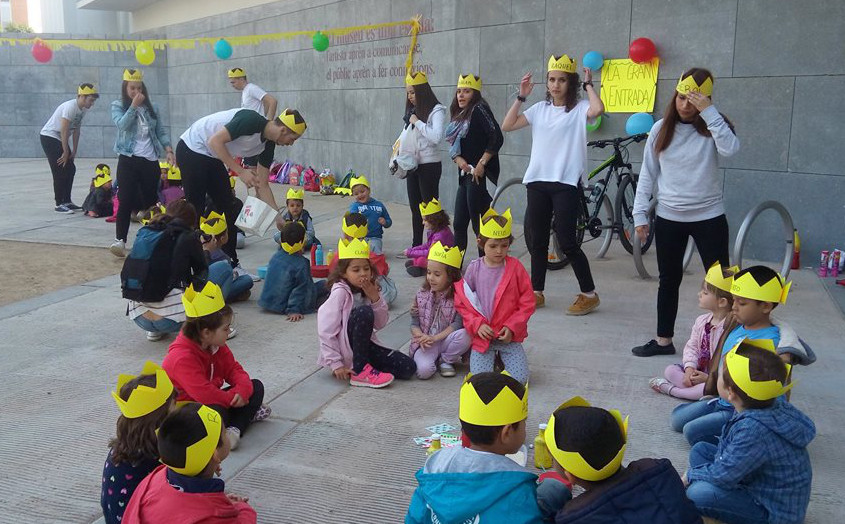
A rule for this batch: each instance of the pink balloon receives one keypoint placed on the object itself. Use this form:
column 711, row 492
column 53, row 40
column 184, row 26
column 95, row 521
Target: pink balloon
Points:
column 642, row 50
column 41, row 53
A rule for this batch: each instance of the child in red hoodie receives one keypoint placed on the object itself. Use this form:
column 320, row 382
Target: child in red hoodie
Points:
column 198, row 362
column 495, row 300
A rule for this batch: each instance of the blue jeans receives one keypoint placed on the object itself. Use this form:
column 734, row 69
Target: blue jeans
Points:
column 162, row 325
column 731, row 506
column 375, row 244
column 701, row 421
column 221, row 274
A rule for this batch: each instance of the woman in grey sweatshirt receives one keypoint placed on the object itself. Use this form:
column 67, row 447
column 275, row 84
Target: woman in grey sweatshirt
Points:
column 681, row 168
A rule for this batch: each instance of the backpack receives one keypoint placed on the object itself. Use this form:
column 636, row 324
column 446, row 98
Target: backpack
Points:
column 275, row 173
column 294, row 175
column 343, row 188
column 310, row 180
column 145, row 276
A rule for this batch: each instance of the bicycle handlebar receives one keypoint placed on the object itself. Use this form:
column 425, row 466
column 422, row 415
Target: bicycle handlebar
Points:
column 618, row 141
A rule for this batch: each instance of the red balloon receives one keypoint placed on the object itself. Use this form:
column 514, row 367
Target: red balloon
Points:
column 642, row 50
column 42, row 53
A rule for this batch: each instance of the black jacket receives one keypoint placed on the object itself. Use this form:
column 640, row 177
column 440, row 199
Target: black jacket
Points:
column 483, row 135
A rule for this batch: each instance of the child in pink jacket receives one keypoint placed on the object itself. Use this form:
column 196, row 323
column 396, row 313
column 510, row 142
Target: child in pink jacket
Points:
column 436, row 223
column 348, row 319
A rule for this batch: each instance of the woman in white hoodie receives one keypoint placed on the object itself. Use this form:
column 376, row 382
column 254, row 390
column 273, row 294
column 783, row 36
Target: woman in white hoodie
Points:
column 428, row 116
column 681, row 158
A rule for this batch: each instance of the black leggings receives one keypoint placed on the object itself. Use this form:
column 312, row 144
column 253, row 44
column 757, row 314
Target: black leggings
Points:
column 137, row 189
column 670, row 238
column 241, row 417
column 545, row 198
column 62, row 175
column 471, row 201
column 203, row 175
column 423, row 185
column 359, row 329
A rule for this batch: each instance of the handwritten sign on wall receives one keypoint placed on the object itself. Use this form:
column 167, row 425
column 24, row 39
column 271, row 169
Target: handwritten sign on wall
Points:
column 629, row 87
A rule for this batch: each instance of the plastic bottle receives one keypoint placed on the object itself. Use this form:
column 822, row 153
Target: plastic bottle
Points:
column 318, row 255
column 796, row 250
column 435, row 444
column 597, row 191
column 329, row 257
column 542, row 456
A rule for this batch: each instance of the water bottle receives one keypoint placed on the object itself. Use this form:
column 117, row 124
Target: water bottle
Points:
column 598, row 189
column 542, row 456
column 318, row 255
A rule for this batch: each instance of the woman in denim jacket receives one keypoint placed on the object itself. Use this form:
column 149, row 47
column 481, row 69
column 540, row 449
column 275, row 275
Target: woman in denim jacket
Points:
column 141, row 140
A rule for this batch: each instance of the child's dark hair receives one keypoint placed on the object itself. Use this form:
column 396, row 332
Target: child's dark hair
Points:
column 293, row 232
column 438, row 221
column 342, row 265
column 761, row 275
column 721, row 293
column 454, row 275
column 193, row 327
column 592, row 432
column 135, row 438
column 488, row 386
column 482, row 240
column 213, row 222
column 101, row 166
column 184, row 211
column 178, row 431
column 355, row 219
column 763, row 365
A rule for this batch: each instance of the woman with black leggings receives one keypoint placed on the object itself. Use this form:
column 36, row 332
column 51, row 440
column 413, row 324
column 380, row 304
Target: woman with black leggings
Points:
column 556, row 170
column 681, row 157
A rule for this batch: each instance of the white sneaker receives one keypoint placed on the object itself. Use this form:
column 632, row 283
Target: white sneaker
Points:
column 155, row 336
column 234, row 437
column 62, row 208
column 239, row 270
column 118, row 248
column 232, row 333
column 241, row 241
column 447, row 370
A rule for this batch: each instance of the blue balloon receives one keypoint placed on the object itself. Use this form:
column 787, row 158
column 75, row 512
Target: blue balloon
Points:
column 593, row 60
column 223, row 49
column 639, row 123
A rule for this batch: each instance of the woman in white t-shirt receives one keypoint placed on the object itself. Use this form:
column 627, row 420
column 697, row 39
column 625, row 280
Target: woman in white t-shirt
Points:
column 142, row 138
column 557, row 166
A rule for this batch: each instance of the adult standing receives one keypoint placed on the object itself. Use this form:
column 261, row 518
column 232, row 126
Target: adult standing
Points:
column 556, row 171
column 252, row 97
column 141, row 140
column 65, row 122
column 207, row 149
column 428, row 116
column 681, row 157
column 475, row 139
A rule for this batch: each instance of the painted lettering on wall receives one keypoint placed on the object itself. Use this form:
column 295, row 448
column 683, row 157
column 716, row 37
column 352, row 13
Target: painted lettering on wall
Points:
column 629, row 87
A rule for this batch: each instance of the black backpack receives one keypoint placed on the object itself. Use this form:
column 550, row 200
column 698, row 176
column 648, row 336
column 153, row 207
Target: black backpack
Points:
column 145, row 276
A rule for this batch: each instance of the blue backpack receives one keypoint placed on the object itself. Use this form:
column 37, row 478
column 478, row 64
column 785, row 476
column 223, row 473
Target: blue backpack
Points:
column 145, row 276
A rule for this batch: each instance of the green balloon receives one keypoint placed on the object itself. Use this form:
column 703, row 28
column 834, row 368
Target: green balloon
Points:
column 320, row 41
column 596, row 125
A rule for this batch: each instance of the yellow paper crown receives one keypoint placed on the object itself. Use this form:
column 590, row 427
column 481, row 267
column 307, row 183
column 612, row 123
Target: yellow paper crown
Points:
column 351, row 249
column 152, row 214
column 470, row 81
column 506, row 408
column 562, row 63
column 415, row 79
column 739, row 367
column 493, row 230
column 143, row 400
column 358, row 181
column 198, row 454
column 236, row 72
column 293, row 249
column 101, row 179
column 716, row 276
column 688, row 85
column 86, row 89
column 133, row 75
column 216, row 228
column 174, row 173
column 572, row 461
column 451, row 256
column 104, row 170
column 353, row 230
column 163, row 165
column 772, row 291
column 205, row 302
column 289, row 120
column 430, row 208
column 295, row 194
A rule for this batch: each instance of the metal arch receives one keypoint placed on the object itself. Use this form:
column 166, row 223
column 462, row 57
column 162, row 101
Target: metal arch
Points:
column 501, row 189
column 638, row 253
column 788, row 233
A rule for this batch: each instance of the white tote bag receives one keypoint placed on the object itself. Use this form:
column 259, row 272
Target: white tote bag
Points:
column 405, row 151
column 256, row 217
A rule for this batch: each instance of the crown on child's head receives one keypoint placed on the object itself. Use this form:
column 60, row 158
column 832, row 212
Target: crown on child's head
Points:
column 491, row 229
column 295, row 194
column 351, row 249
column 562, row 63
column 214, row 228
column 746, row 286
column 292, row 249
column 174, row 173
column 102, row 169
column 288, row 118
column 572, row 461
column 359, row 181
column 716, row 276
column 430, row 208
column 470, row 81
column 505, row 408
column 86, row 89
column 198, row 454
column 688, row 85
column 144, row 399
column 205, row 302
column 133, row 75
column 739, row 367
column 354, row 231
column 163, row 165
column 415, row 79
column 451, row 256
column 152, row 212
column 236, row 72
column 103, row 175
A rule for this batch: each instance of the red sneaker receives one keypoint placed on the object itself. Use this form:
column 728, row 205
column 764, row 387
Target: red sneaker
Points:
column 369, row 377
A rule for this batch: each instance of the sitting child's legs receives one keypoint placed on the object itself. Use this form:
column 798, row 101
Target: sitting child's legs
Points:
column 375, row 244
column 239, row 286
column 675, row 374
column 221, row 274
column 242, row 417
column 160, row 325
column 733, row 506
column 392, row 361
column 684, row 413
column 453, row 347
column 482, row 362
column 359, row 329
column 426, row 361
column 514, row 359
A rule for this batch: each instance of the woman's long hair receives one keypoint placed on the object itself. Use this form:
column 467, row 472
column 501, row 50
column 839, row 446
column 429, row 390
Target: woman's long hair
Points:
column 425, row 101
column 671, row 116
column 573, row 82
column 127, row 100
column 457, row 113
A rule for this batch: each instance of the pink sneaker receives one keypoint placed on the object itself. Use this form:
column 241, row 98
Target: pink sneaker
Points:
column 369, row 377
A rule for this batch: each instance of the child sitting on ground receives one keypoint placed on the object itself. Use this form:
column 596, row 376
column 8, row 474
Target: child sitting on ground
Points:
column 437, row 330
column 214, row 235
column 99, row 203
column 496, row 300
column 192, row 446
column 686, row 380
column 295, row 212
column 376, row 212
column 354, row 225
column 171, row 184
column 479, row 483
column 143, row 401
column 436, row 223
column 347, row 323
column 760, row 472
column 587, row 445
column 199, row 362
column 288, row 286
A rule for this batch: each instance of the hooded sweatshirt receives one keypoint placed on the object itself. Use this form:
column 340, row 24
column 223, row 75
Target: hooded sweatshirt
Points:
column 764, row 452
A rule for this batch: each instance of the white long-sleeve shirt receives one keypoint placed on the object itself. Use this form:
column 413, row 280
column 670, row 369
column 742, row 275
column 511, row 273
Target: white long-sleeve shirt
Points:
column 689, row 183
column 431, row 134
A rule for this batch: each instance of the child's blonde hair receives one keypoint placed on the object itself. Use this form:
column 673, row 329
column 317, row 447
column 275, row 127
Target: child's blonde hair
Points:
column 721, row 293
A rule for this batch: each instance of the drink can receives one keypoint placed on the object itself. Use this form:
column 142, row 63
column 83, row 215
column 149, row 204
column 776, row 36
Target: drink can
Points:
column 834, row 270
column 823, row 264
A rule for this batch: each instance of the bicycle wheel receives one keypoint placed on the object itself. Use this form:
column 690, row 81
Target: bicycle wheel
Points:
column 625, row 214
column 594, row 235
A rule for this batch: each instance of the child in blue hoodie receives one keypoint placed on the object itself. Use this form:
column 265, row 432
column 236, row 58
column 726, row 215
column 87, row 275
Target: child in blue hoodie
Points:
column 378, row 218
column 288, row 287
column 479, row 483
column 760, row 471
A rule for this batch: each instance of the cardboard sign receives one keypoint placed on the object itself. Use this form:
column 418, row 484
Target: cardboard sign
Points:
column 629, row 87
